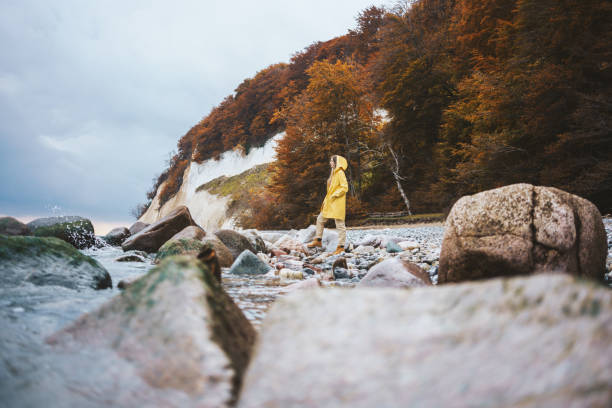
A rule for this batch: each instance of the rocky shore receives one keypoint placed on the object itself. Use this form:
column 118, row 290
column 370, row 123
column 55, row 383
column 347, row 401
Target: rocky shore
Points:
column 508, row 303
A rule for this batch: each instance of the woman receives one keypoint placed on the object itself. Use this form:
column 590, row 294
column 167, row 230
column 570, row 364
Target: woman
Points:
column 334, row 204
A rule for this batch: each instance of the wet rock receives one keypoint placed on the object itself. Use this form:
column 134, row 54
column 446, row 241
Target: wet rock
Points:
column 395, row 273
column 288, row 244
column 47, row 261
column 181, row 246
column 235, row 242
column 116, row 236
column 248, row 263
column 12, row 226
column 428, row 347
column 392, row 247
column 75, row 230
column 225, row 257
column 172, row 338
column 137, row 227
column 308, row 271
column 130, row 258
column 190, row 232
column 522, row 229
column 151, row 238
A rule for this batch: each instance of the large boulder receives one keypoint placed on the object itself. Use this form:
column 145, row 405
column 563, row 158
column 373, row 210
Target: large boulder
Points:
column 75, row 230
column 151, row 238
column 190, row 232
column 172, row 338
column 12, row 226
column 224, row 255
column 538, row 341
column 235, row 241
column 116, row 236
column 179, row 246
column 248, row 263
column 49, row 261
column 395, row 273
column 521, row 229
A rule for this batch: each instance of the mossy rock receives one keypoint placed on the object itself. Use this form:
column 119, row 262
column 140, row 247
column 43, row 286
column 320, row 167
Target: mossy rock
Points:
column 174, row 332
column 75, row 230
column 49, row 261
column 12, row 226
column 179, row 247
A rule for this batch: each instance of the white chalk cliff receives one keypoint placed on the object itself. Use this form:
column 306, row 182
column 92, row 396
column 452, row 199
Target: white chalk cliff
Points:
column 209, row 210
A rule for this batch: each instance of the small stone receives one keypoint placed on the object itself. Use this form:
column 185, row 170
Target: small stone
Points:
column 130, row 258
column 248, row 263
column 392, row 247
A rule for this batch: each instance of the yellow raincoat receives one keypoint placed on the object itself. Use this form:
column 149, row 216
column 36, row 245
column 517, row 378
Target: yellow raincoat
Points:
column 334, row 205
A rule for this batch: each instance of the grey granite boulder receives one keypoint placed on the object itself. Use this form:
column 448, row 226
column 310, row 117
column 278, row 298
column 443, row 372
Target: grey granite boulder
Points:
column 12, row 226
column 521, row 229
column 235, row 241
column 46, row 261
column 395, row 273
column 75, row 230
column 171, row 338
column 151, row 238
column 537, row 341
column 248, row 263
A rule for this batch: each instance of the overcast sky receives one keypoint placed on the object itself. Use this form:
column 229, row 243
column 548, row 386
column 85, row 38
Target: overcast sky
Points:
column 95, row 94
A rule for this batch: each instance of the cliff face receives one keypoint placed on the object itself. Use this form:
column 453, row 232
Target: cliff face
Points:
column 210, row 211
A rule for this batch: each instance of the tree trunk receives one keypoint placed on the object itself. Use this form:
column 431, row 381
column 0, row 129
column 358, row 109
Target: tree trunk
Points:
column 401, row 190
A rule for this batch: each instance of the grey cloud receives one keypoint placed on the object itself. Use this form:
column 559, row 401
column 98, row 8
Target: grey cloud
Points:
column 94, row 95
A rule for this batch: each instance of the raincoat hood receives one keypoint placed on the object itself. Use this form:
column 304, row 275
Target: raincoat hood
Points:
column 341, row 163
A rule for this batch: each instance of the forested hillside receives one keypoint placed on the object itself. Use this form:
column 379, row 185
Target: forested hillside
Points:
column 440, row 98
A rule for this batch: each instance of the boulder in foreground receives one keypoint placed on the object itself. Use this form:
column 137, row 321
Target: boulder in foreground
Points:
column 152, row 237
column 172, row 338
column 539, row 341
column 522, row 229
column 49, row 261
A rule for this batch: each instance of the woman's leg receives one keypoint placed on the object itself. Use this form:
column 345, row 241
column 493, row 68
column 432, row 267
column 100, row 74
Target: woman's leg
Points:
column 341, row 227
column 320, row 223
